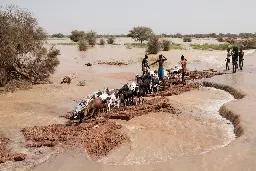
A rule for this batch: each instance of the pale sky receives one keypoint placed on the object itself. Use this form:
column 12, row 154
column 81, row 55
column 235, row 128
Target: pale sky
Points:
column 163, row 16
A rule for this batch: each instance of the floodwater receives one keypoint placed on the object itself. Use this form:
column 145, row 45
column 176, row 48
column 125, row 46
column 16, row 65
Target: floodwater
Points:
column 156, row 137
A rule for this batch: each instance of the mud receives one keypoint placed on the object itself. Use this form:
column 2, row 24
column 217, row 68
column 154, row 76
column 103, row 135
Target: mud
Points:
column 113, row 63
column 97, row 137
column 152, row 105
column 224, row 111
column 5, row 153
column 237, row 94
column 175, row 89
column 191, row 75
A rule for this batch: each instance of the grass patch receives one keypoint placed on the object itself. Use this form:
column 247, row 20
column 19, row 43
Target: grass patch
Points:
column 54, row 38
column 176, row 46
column 135, row 45
column 81, row 83
column 207, row 46
column 66, row 44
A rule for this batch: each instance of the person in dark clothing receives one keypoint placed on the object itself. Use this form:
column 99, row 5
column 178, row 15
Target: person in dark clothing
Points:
column 235, row 59
column 241, row 58
column 184, row 68
column 145, row 65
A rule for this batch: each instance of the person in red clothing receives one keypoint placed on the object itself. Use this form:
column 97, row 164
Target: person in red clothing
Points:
column 184, row 68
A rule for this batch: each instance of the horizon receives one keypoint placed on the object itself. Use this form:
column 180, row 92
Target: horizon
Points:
column 116, row 18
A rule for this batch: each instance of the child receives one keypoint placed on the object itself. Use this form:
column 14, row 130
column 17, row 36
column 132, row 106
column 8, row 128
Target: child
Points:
column 228, row 59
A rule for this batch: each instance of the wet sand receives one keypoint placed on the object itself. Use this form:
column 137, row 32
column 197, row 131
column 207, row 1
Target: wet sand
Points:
column 45, row 103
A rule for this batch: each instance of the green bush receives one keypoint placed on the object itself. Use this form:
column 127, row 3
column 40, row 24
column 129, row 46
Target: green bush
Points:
column 207, row 46
column 23, row 55
column 220, row 39
column 153, row 46
column 83, row 45
column 77, row 35
column 176, row 46
column 59, row 35
column 135, row 45
column 140, row 33
column 187, row 39
column 102, row 42
column 91, row 38
column 246, row 44
column 111, row 40
column 166, row 45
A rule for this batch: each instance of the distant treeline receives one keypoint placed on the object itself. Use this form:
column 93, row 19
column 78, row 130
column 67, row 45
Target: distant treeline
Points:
column 178, row 35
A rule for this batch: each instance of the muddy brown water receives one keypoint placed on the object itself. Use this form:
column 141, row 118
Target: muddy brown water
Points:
column 156, row 137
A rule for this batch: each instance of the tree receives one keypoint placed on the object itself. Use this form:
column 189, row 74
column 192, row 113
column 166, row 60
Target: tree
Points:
column 83, row 45
column 140, row 33
column 77, row 35
column 91, row 38
column 102, row 42
column 111, row 40
column 153, row 45
column 187, row 39
column 23, row 55
column 166, row 45
column 58, row 35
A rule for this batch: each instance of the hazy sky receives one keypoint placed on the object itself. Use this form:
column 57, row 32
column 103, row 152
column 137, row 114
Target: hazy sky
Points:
column 163, row 16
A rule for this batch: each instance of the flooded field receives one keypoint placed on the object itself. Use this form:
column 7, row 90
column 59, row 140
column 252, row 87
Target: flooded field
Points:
column 159, row 137
column 154, row 138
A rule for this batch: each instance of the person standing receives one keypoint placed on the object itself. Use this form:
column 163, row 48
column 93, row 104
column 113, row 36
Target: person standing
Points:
column 160, row 62
column 235, row 58
column 184, row 68
column 145, row 65
column 241, row 58
column 228, row 59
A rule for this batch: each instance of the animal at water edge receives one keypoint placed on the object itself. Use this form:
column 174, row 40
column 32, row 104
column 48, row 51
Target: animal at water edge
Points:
column 113, row 100
column 127, row 93
column 79, row 109
column 94, row 107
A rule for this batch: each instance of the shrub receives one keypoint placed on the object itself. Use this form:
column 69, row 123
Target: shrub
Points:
column 102, row 42
column 207, row 46
column 140, row 33
column 246, row 44
column 83, row 45
column 187, row 39
column 153, row 45
column 176, row 46
column 15, row 85
column 22, row 54
column 77, row 35
column 111, row 40
column 81, row 83
column 166, row 45
column 59, row 35
column 135, row 45
column 91, row 38
column 220, row 39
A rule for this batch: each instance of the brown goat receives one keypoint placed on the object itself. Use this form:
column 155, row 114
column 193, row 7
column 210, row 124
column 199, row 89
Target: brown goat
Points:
column 94, row 106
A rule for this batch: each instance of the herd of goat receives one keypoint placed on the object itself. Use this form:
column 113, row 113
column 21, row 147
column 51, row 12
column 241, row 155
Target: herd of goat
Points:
column 129, row 94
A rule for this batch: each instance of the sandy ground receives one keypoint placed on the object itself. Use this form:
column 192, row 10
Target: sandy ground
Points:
column 45, row 103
